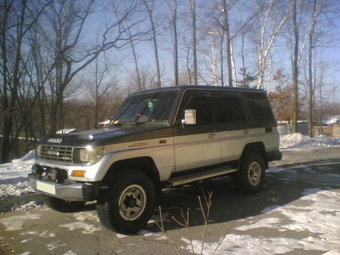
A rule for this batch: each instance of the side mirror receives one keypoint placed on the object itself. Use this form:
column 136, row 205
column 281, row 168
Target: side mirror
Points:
column 189, row 117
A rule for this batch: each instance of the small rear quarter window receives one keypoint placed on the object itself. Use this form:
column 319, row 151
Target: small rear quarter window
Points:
column 259, row 106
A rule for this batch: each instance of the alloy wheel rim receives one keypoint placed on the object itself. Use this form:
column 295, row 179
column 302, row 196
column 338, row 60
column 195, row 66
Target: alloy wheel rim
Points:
column 132, row 202
column 254, row 173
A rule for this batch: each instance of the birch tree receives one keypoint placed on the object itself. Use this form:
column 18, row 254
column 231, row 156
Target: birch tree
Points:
column 225, row 29
column 272, row 16
column 318, row 8
column 223, row 20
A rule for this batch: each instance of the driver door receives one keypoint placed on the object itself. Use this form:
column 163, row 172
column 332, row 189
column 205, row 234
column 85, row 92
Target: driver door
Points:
column 197, row 145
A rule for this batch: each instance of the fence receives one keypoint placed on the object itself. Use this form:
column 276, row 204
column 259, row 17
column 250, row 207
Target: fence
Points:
column 330, row 131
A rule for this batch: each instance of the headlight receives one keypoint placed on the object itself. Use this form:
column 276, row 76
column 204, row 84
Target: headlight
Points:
column 88, row 155
column 38, row 151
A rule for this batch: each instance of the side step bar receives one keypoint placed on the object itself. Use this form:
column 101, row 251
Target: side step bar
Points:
column 199, row 176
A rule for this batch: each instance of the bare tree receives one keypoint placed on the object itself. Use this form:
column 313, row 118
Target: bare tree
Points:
column 173, row 21
column 150, row 7
column 211, row 56
column 240, row 27
column 17, row 18
column 65, row 23
column 318, row 8
column 213, row 49
column 311, row 32
column 225, row 9
column 272, row 16
column 100, row 83
column 135, row 60
column 194, row 40
column 133, row 42
column 295, row 67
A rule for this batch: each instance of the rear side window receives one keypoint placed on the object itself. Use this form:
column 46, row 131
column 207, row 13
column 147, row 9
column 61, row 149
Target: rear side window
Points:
column 259, row 106
column 230, row 107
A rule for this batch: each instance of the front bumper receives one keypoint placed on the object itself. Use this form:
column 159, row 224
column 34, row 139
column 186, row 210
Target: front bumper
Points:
column 69, row 192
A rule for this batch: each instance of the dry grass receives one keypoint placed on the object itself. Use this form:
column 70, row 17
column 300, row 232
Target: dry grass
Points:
column 205, row 203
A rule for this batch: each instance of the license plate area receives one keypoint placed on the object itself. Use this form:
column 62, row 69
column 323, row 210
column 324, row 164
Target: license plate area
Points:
column 46, row 187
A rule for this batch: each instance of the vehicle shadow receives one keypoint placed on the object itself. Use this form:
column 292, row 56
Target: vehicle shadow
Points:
column 284, row 184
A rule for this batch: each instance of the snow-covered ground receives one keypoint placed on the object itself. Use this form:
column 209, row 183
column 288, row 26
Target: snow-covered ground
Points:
column 325, row 206
column 13, row 183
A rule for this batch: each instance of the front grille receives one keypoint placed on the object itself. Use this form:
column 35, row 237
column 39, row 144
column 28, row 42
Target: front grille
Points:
column 55, row 153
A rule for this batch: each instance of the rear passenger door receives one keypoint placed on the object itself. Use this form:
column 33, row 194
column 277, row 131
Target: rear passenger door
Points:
column 197, row 145
column 232, row 118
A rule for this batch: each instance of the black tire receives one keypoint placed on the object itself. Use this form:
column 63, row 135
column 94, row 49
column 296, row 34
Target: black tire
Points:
column 252, row 173
column 61, row 205
column 129, row 202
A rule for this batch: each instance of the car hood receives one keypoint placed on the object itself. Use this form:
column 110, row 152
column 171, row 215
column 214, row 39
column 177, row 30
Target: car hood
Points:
column 102, row 137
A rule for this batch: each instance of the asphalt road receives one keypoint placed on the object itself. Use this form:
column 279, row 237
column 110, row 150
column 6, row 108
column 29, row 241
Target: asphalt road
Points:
column 44, row 231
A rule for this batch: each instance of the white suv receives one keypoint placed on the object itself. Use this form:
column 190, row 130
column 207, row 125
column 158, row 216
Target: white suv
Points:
column 159, row 138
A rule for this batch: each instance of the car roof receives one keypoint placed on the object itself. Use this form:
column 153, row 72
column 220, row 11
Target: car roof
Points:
column 198, row 87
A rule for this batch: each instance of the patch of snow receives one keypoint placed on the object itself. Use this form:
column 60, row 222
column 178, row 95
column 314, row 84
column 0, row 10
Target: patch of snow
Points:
column 55, row 245
column 296, row 140
column 17, row 222
column 264, row 223
column 87, row 228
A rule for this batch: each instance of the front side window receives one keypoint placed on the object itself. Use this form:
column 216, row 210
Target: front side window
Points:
column 202, row 102
column 146, row 108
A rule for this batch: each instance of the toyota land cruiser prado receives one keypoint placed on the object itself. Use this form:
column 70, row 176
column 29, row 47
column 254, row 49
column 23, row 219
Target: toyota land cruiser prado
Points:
column 159, row 138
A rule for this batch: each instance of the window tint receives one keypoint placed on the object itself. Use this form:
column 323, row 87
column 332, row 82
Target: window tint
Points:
column 230, row 107
column 149, row 107
column 259, row 106
column 202, row 102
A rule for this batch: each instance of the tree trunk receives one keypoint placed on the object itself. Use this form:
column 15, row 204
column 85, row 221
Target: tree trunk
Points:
column 174, row 22
column 194, row 40
column 154, row 42
column 295, row 70
column 310, row 74
column 228, row 42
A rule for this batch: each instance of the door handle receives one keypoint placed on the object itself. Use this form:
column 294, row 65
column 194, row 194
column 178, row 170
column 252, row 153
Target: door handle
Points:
column 211, row 136
column 269, row 129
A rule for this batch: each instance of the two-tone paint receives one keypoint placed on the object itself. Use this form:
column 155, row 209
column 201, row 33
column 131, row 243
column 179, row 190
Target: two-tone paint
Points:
column 174, row 150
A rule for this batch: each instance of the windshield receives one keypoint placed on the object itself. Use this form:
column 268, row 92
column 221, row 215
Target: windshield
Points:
column 146, row 108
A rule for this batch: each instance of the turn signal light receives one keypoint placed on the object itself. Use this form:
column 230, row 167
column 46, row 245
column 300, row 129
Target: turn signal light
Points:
column 78, row 173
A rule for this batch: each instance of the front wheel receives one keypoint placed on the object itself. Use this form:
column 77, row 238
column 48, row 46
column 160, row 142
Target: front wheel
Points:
column 129, row 202
column 252, row 172
column 61, row 205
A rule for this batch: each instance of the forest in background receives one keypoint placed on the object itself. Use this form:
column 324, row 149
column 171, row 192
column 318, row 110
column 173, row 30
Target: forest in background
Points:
column 70, row 63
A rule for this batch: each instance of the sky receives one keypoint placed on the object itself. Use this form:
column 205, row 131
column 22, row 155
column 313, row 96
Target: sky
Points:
column 324, row 209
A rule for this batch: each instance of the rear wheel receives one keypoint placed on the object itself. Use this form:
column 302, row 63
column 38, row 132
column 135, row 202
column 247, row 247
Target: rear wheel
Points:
column 61, row 205
column 129, row 202
column 252, row 172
